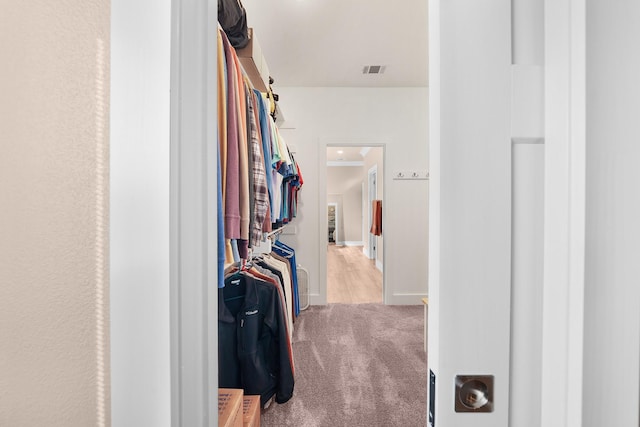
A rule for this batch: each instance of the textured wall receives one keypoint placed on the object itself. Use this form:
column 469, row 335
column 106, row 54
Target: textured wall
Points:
column 54, row 82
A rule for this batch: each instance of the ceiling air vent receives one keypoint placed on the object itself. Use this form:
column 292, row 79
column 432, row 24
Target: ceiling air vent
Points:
column 373, row 69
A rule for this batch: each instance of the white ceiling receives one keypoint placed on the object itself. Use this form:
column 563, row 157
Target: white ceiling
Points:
column 346, row 154
column 326, row 43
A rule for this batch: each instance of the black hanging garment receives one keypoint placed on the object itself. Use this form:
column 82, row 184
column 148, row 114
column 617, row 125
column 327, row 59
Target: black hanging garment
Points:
column 233, row 19
column 253, row 343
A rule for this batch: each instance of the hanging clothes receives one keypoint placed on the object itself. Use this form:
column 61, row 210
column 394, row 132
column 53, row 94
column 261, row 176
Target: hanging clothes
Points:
column 265, row 134
column 220, row 226
column 254, row 350
column 376, row 218
column 260, row 177
column 260, row 190
column 230, row 147
column 289, row 255
column 280, row 268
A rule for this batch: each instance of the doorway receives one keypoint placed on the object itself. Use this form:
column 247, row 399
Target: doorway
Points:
column 354, row 261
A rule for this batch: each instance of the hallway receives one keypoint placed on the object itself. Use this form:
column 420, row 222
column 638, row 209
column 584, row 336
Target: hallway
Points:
column 352, row 278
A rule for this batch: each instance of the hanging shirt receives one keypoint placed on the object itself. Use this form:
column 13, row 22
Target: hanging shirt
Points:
column 265, row 134
column 272, row 263
column 260, row 190
column 232, row 179
column 221, row 240
column 289, row 254
column 243, row 156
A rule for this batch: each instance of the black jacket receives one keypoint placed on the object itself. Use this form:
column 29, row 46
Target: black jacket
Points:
column 254, row 352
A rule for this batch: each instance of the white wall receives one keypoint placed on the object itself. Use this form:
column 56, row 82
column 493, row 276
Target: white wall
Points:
column 394, row 116
column 612, row 290
column 140, row 352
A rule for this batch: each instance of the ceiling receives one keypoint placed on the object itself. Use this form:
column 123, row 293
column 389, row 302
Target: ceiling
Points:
column 326, row 43
column 346, row 154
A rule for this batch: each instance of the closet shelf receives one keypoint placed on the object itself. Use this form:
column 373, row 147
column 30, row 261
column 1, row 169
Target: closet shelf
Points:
column 257, row 70
column 254, row 64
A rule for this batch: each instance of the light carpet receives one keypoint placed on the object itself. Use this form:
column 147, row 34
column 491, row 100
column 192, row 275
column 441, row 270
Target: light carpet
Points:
column 356, row 365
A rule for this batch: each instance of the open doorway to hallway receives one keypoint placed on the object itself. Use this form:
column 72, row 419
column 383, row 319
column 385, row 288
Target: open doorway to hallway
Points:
column 355, row 260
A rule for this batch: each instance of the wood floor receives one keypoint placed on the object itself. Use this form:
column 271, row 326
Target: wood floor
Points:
column 351, row 277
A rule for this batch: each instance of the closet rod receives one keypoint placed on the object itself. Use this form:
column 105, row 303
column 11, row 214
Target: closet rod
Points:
column 275, row 232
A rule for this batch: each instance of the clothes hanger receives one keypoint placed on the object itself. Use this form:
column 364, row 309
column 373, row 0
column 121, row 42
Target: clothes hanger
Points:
column 235, row 280
column 283, row 247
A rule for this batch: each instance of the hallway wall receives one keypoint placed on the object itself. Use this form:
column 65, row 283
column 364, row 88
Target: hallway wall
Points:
column 338, row 116
column 54, row 193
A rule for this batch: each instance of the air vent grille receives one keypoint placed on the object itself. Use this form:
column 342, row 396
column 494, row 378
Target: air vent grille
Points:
column 373, row 69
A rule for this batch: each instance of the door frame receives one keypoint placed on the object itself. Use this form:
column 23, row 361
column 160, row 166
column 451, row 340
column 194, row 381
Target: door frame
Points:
column 193, row 207
column 372, row 240
column 324, row 143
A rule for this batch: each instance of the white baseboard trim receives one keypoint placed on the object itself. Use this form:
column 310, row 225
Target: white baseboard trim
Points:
column 365, row 251
column 406, row 299
column 316, row 299
column 379, row 265
column 348, row 243
column 396, row 299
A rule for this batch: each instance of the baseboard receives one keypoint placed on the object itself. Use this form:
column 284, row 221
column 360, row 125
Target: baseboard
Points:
column 340, row 243
column 365, row 251
column 379, row 265
column 396, row 299
column 316, row 299
column 352, row 243
column 406, row 299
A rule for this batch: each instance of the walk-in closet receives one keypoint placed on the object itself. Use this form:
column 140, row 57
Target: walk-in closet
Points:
column 357, row 228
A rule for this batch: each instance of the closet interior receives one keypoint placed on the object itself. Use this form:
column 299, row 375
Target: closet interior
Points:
column 259, row 182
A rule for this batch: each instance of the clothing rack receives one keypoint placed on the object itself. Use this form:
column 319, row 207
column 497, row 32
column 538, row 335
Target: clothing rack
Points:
column 275, row 232
column 265, row 245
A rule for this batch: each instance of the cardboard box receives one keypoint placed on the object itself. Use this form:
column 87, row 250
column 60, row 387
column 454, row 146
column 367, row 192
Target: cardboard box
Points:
column 230, row 407
column 254, row 64
column 251, row 411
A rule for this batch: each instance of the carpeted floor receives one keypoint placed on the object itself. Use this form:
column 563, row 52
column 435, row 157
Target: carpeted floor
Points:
column 356, row 365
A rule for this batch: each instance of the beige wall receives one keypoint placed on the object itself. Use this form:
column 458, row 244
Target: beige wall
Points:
column 54, row 110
